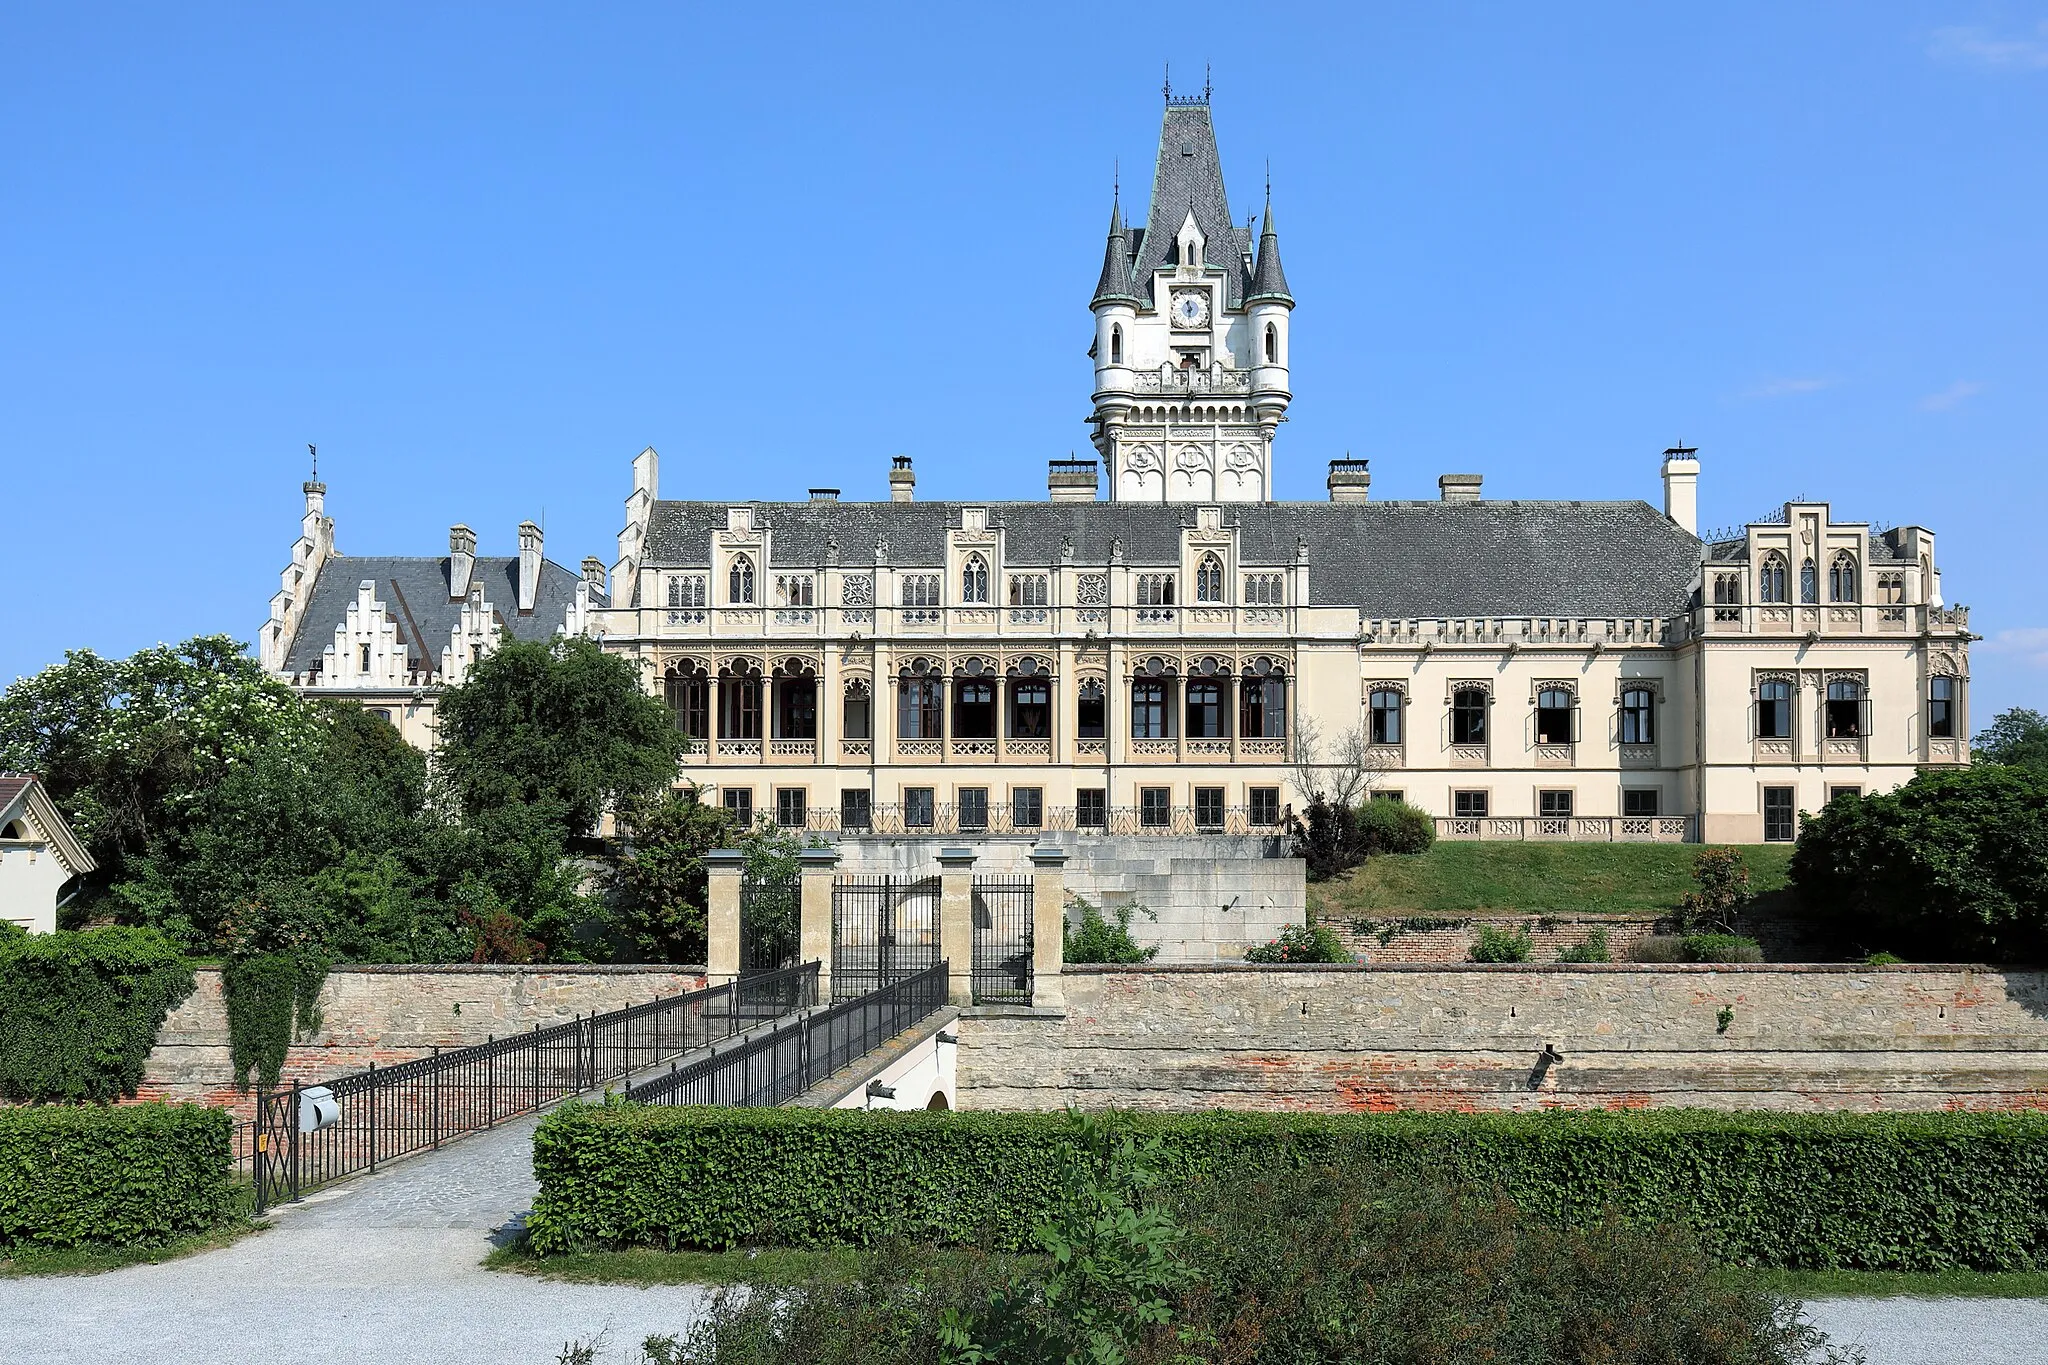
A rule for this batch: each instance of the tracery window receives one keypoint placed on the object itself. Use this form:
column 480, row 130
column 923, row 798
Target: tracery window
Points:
column 1209, row 579
column 687, row 691
column 1263, row 590
column 793, row 589
column 1770, row 578
column 1027, row 590
column 1809, row 581
column 919, row 589
column 1842, row 578
column 1155, row 589
column 1891, row 589
column 686, row 590
column 974, row 579
column 739, row 582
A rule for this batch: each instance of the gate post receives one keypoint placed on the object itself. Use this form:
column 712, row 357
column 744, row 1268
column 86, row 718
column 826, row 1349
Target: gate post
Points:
column 956, row 922
column 1048, row 925
column 814, row 915
column 722, row 915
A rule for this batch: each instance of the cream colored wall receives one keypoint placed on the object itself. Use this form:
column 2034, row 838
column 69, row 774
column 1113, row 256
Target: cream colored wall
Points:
column 31, row 875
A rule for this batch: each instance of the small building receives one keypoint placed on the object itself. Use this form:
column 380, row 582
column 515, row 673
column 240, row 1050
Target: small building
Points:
column 39, row 855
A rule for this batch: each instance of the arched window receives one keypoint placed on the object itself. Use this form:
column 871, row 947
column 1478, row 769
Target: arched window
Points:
column 974, row 579
column 1468, row 715
column 739, row 582
column 1809, row 581
column 1845, row 709
column 1116, row 345
column 1151, row 715
column 974, row 708
column 1030, row 708
column 1209, row 579
column 1272, row 344
column 1557, row 716
column 920, row 708
column 1770, row 578
column 1774, row 709
column 739, row 704
column 1385, row 706
column 1206, row 708
column 1842, row 578
column 1638, row 716
column 688, row 693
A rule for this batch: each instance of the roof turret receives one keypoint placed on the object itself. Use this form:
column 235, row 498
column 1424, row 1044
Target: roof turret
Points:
column 1269, row 281
column 1115, row 283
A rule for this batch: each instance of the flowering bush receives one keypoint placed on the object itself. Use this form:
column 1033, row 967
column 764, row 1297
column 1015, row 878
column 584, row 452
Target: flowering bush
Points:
column 1302, row 943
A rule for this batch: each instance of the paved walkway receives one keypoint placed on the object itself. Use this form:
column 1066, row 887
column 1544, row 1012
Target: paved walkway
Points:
column 1938, row 1331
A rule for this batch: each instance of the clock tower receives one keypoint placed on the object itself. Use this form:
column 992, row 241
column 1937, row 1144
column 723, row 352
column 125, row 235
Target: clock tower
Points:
column 1190, row 334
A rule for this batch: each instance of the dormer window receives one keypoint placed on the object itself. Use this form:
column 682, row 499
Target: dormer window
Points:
column 739, row 582
column 1209, row 579
column 974, row 579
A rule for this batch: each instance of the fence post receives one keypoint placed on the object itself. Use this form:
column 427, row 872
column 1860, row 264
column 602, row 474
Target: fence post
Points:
column 434, row 1107
column 814, row 917
column 490, row 1081
column 724, row 868
column 956, row 922
column 373, row 1117
column 293, row 1129
column 1048, row 925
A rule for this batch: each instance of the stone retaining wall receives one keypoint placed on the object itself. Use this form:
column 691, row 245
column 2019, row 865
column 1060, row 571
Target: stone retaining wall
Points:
column 1472, row 1037
column 393, row 1014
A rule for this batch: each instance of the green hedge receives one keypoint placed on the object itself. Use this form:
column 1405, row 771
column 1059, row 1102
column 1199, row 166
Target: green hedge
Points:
column 124, row 1175
column 1872, row 1191
column 79, row 1012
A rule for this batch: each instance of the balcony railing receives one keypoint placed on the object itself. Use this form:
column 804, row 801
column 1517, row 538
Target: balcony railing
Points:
column 1656, row 829
column 1216, row 380
column 943, row 818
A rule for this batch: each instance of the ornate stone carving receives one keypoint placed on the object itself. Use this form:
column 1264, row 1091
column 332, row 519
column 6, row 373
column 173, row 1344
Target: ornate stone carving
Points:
column 857, row 590
column 1092, row 590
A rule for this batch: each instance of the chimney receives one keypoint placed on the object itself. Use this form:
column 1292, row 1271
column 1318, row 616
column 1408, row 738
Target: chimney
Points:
column 1072, row 480
column 1350, row 480
column 461, row 561
column 316, row 497
column 1682, row 487
column 593, row 573
column 824, row 495
column 1458, row 487
column 902, row 483
column 529, row 566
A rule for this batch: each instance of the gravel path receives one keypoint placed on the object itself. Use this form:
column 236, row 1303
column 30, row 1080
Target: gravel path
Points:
column 1938, row 1331
column 375, row 1271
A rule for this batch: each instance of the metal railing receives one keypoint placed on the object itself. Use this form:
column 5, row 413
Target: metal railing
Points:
column 999, row 817
column 388, row 1112
column 1666, row 829
column 776, row 1066
column 1002, row 968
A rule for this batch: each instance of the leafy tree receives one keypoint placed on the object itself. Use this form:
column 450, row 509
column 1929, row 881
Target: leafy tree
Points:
column 1327, row 838
column 2018, row 737
column 659, row 887
column 1721, row 890
column 1951, row 865
column 560, row 722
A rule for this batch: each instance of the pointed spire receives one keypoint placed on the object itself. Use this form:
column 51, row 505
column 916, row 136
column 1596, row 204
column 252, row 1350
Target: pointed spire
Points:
column 1269, row 281
column 1116, row 256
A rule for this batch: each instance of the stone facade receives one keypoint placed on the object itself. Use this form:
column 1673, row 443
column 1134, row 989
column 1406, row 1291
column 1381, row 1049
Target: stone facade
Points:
column 1474, row 1038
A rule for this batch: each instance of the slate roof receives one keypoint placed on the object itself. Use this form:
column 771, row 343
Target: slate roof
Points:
column 1394, row 559
column 1115, row 282
column 1189, row 175
column 1269, row 281
column 1888, row 547
column 414, row 590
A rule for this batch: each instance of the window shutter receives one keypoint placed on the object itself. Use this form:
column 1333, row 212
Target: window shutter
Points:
column 1863, row 716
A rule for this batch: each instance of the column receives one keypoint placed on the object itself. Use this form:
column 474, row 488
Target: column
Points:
column 814, row 916
column 1048, row 925
column 722, row 927
column 956, row 922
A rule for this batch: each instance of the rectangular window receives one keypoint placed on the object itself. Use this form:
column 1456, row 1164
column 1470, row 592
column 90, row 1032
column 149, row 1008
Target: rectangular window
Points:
column 1155, row 589
column 1834, row 792
column 363, row 659
column 1468, row 715
column 1149, row 710
column 793, row 589
column 1557, row 716
column 739, row 803
column 1941, row 708
column 1263, row 590
column 1774, row 709
column 1639, row 801
column 856, row 810
column 1027, row 590
column 1262, row 708
column 857, row 716
column 1265, row 806
column 1209, row 808
column 1468, row 804
column 686, row 590
column 1385, row 712
column 1389, row 795
column 1091, row 808
column 920, row 808
column 1090, row 712
column 1155, row 807
column 1780, row 816
column 1638, row 716
column 919, row 589
column 791, row 807
column 1206, row 708
column 973, row 807
column 1554, row 805
column 1027, row 807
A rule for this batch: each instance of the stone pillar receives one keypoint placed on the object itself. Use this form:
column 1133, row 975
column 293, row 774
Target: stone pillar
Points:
column 956, row 922
column 1048, row 925
column 814, row 933
column 722, row 917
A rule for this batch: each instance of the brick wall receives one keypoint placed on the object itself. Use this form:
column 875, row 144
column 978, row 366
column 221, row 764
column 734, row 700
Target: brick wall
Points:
column 1388, row 1037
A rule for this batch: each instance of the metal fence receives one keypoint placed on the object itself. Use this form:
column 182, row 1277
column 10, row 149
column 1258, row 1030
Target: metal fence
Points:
column 778, row 1065
column 1002, row 940
column 997, row 817
column 771, row 907
column 387, row 1112
column 883, row 928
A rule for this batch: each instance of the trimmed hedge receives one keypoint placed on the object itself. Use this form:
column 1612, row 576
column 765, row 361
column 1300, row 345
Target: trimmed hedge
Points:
column 125, row 1175
column 1866, row 1191
column 79, row 1012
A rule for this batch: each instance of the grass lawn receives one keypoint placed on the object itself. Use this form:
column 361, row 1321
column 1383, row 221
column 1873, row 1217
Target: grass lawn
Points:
column 1475, row 877
column 646, row 1266
column 1898, row 1284
column 94, row 1260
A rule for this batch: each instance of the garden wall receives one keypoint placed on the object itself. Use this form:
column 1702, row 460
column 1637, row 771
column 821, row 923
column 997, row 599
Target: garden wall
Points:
column 1471, row 1038
column 1444, row 939
column 392, row 1014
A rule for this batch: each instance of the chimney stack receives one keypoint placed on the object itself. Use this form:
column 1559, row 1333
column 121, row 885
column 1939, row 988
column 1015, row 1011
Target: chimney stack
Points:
column 529, row 566
column 1350, row 480
column 461, row 561
column 824, row 495
column 902, row 483
column 593, row 573
column 1072, row 480
column 1682, row 487
column 1458, row 487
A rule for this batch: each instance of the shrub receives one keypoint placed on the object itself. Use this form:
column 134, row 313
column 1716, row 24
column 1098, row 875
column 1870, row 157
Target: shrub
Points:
column 79, row 1011
column 1501, row 945
column 1721, row 890
column 1390, row 826
column 1326, row 837
column 1302, row 943
column 1659, row 948
column 126, row 1175
column 1883, row 960
column 1592, row 949
column 1091, row 937
column 1721, row 948
column 1953, row 865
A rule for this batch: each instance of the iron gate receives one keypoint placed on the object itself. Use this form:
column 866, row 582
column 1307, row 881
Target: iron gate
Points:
column 883, row 929
column 770, row 906
column 1002, row 940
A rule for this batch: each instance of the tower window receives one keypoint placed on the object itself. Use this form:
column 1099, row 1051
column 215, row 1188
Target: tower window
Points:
column 1116, row 345
column 1272, row 344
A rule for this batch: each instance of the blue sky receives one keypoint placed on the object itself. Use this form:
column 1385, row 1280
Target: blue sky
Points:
column 483, row 256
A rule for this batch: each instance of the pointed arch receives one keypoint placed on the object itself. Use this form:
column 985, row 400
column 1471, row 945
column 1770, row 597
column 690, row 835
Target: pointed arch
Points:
column 974, row 578
column 1770, row 578
column 1209, row 578
column 1842, row 578
column 1272, row 344
column 1116, row 344
column 739, row 581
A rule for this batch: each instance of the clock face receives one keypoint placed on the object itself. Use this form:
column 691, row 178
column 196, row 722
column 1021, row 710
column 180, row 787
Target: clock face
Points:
column 1190, row 308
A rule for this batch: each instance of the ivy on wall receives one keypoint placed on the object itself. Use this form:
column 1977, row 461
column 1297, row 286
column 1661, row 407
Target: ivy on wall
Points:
column 271, row 998
column 80, row 1011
